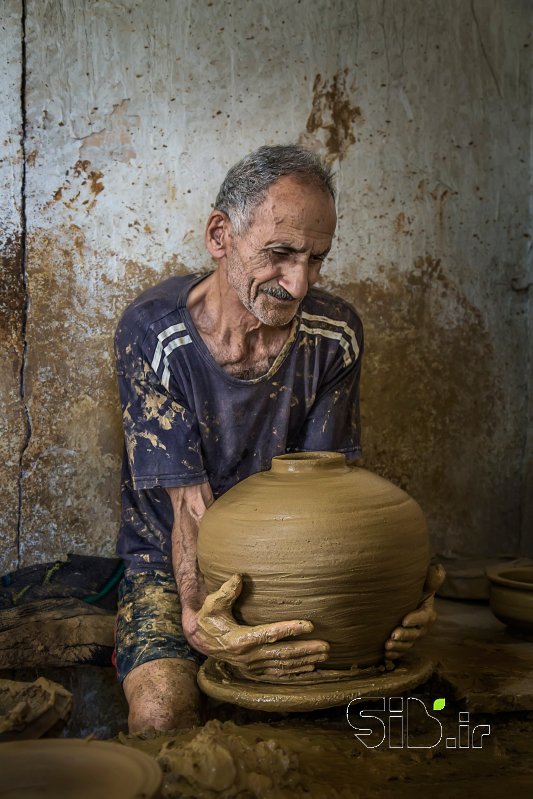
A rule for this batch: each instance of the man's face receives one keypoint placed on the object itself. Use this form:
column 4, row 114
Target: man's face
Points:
column 273, row 264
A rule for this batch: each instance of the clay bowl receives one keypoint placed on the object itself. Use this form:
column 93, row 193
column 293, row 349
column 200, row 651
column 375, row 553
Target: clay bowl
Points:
column 67, row 768
column 511, row 596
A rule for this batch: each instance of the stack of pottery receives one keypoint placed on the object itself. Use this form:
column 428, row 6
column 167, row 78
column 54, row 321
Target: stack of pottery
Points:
column 316, row 539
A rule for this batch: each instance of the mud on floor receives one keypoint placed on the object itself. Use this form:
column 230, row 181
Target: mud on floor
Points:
column 322, row 759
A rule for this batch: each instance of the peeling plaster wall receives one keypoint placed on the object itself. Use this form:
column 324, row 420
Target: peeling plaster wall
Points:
column 133, row 113
column 12, row 294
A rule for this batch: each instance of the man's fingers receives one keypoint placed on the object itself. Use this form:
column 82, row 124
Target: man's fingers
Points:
column 286, row 651
column 289, row 664
column 274, row 672
column 406, row 634
column 397, row 646
column 434, row 579
column 270, row 633
column 393, row 655
column 222, row 600
column 422, row 617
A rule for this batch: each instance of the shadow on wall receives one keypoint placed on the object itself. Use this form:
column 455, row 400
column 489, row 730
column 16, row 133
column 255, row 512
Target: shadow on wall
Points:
column 430, row 396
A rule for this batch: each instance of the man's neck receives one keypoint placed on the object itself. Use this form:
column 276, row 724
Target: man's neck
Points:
column 241, row 344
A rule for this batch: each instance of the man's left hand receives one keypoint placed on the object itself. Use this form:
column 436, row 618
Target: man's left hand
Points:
column 416, row 623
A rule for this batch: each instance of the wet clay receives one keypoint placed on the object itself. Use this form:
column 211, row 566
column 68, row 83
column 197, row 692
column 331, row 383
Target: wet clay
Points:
column 317, row 540
column 323, row 760
column 29, row 710
column 329, row 689
column 221, row 760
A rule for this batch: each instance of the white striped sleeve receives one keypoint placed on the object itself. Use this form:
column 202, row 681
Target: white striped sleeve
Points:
column 336, row 329
column 168, row 340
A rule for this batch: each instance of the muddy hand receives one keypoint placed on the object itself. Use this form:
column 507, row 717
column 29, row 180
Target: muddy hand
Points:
column 259, row 649
column 416, row 623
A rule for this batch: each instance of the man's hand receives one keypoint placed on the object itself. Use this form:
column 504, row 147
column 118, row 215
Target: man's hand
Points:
column 416, row 623
column 256, row 651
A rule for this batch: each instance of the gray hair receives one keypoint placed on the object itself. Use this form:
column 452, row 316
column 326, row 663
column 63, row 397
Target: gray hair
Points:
column 247, row 182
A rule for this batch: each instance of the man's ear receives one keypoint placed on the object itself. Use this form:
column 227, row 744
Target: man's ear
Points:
column 217, row 234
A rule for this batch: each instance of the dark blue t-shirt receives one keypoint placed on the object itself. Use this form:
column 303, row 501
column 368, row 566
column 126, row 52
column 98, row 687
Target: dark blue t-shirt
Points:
column 187, row 421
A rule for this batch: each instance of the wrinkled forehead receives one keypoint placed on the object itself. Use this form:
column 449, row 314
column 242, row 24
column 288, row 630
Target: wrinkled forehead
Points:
column 293, row 204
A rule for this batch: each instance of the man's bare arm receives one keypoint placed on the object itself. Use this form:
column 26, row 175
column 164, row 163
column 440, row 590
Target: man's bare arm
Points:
column 189, row 503
column 208, row 623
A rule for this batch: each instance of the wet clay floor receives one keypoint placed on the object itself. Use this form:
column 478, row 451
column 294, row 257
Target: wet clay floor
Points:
column 413, row 746
column 325, row 760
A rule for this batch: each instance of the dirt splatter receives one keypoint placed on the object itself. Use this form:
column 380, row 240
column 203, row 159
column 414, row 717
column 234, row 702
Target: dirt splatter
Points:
column 80, row 167
column 333, row 116
column 95, row 181
column 402, row 224
column 72, row 465
column 440, row 196
column 12, row 293
column 81, row 187
column 12, row 421
column 431, row 401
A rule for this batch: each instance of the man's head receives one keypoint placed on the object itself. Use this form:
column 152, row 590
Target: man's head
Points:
column 272, row 227
column 245, row 186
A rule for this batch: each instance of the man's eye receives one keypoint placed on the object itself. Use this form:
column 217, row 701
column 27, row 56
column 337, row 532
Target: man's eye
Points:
column 318, row 258
column 277, row 251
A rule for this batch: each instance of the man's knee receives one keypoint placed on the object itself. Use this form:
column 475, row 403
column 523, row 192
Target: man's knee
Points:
column 163, row 694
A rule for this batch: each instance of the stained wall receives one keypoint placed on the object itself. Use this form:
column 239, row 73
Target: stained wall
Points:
column 132, row 113
column 13, row 431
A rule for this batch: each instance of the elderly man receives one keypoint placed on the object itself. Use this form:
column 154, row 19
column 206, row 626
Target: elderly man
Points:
column 218, row 373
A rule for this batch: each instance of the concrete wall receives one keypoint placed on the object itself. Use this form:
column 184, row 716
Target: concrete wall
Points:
column 133, row 111
column 13, row 433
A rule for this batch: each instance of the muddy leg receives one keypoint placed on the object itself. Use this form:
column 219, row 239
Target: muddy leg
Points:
column 163, row 694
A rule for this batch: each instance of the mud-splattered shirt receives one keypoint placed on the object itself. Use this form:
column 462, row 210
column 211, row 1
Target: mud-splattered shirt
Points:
column 187, row 421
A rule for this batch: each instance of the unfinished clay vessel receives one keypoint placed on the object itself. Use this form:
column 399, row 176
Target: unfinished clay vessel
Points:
column 315, row 539
column 511, row 595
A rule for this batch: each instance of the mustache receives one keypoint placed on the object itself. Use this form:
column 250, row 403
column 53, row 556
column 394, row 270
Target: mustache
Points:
column 278, row 292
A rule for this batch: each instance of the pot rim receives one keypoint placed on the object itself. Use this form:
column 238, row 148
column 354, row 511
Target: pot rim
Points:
column 307, row 461
column 504, row 575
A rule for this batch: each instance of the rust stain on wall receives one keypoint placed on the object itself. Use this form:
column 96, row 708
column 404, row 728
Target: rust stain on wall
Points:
column 431, row 400
column 333, row 113
column 81, row 186
column 12, row 421
column 12, row 294
column 402, row 224
column 72, row 465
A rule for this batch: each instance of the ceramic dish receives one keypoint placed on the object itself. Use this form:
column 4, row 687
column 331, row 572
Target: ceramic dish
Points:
column 67, row 768
column 511, row 596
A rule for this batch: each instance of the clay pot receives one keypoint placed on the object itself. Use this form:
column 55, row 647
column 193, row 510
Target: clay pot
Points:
column 315, row 539
column 511, row 596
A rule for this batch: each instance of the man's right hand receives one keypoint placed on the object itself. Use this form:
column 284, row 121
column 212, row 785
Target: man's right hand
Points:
column 258, row 651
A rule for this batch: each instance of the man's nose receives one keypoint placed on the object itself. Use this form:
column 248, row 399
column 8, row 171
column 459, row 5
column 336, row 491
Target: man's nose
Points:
column 296, row 280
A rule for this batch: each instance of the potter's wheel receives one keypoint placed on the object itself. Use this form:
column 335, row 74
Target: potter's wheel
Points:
column 217, row 682
column 67, row 768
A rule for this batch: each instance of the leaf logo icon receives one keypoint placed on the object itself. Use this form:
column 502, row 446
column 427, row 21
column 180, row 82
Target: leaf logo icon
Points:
column 438, row 704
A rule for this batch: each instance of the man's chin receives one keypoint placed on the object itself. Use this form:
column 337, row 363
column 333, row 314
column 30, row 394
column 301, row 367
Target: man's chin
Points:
column 276, row 313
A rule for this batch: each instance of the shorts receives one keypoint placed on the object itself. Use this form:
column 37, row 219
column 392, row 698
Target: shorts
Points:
column 148, row 623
